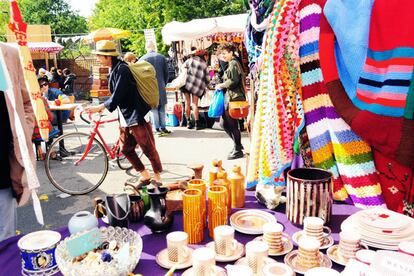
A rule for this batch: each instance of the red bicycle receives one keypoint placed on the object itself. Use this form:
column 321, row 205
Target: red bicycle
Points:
column 77, row 163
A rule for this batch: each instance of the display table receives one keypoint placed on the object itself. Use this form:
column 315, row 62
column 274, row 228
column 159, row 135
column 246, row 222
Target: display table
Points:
column 10, row 263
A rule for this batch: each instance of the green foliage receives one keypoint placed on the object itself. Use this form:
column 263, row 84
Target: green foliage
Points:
column 137, row 15
column 4, row 18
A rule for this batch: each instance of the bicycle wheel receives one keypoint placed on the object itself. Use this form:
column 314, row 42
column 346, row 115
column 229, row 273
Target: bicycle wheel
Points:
column 123, row 162
column 65, row 170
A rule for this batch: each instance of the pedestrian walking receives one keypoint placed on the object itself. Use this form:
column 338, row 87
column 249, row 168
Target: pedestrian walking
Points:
column 161, row 68
column 134, row 128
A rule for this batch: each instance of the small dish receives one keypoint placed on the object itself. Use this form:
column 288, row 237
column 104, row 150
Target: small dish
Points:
column 328, row 241
column 220, row 272
column 291, row 260
column 251, row 221
column 163, row 261
column 333, row 254
column 243, row 261
column 287, row 247
column 238, row 253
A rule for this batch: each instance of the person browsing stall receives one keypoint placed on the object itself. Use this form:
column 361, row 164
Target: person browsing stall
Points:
column 135, row 129
column 53, row 94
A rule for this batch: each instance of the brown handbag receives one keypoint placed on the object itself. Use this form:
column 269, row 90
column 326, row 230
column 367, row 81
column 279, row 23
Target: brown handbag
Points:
column 239, row 109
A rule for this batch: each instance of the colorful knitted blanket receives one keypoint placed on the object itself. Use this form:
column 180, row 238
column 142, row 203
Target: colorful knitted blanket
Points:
column 381, row 107
column 335, row 147
column 279, row 114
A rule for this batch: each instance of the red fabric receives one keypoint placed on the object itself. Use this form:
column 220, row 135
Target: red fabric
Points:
column 36, row 132
column 397, row 182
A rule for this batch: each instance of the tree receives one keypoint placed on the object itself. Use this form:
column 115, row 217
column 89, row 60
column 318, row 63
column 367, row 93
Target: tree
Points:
column 137, row 15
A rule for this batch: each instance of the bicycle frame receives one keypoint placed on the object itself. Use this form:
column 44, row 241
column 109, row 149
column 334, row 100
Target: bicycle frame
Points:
column 93, row 133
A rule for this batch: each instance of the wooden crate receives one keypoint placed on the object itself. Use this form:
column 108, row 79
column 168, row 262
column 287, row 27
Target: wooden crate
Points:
column 99, row 93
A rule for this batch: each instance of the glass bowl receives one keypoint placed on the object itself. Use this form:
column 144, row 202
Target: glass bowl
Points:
column 114, row 267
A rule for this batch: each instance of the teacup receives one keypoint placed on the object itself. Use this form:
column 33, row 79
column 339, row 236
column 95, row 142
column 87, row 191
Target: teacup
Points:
column 322, row 271
column 224, row 241
column 204, row 262
column 277, row 269
column 406, row 247
column 272, row 235
column 365, row 256
column 256, row 253
column 349, row 244
column 314, row 228
column 178, row 251
column 238, row 270
column 309, row 255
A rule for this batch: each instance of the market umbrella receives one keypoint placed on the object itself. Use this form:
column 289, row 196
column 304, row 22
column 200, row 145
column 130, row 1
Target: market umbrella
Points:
column 19, row 27
column 107, row 34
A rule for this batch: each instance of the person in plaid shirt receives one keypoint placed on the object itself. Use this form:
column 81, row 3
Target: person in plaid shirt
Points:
column 195, row 86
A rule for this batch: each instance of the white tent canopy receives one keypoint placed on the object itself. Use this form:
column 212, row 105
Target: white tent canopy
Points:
column 197, row 28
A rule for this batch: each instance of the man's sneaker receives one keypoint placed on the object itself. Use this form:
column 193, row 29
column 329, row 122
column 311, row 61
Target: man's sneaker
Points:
column 165, row 130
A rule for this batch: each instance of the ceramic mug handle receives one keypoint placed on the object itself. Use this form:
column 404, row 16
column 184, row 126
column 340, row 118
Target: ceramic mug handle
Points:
column 234, row 244
column 186, row 252
column 214, row 270
column 285, row 236
column 363, row 245
column 328, row 231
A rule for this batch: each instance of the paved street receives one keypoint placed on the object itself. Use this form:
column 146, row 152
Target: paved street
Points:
column 183, row 147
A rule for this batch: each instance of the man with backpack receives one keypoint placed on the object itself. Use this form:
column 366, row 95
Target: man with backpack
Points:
column 161, row 68
column 135, row 129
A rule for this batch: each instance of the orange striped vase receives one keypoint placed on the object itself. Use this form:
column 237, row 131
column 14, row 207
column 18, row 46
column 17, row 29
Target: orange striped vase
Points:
column 200, row 185
column 217, row 208
column 192, row 215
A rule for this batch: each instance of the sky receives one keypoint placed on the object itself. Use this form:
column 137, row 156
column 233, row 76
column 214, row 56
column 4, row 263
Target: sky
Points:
column 85, row 7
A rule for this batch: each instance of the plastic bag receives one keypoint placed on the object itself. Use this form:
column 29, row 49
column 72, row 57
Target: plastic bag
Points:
column 217, row 104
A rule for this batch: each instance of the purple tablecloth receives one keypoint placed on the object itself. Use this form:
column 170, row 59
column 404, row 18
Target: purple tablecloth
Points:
column 10, row 263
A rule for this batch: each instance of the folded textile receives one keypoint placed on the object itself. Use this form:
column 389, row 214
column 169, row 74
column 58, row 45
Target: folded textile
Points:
column 335, row 147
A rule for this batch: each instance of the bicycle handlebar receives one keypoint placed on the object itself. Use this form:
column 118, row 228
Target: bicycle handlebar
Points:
column 95, row 121
column 83, row 118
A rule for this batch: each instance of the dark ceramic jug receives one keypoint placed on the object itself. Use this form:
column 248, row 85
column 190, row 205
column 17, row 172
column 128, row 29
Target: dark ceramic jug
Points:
column 158, row 218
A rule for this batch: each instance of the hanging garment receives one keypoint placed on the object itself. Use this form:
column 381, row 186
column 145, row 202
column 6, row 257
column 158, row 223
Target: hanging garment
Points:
column 335, row 147
column 279, row 115
column 375, row 95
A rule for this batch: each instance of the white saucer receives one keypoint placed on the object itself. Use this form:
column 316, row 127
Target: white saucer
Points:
column 238, row 253
column 328, row 241
column 163, row 261
column 333, row 254
column 291, row 260
column 221, row 272
column 243, row 261
column 287, row 247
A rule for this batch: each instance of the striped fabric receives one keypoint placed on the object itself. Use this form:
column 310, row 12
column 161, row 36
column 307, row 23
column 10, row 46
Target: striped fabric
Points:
column 335, row 147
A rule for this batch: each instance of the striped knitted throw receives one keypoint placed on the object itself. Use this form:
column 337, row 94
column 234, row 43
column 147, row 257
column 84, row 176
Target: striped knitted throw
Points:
column 381, row 107
column 335, row 147
column 279, row 115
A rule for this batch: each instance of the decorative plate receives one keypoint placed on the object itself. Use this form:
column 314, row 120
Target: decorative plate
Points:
column 163, row 261
column 333, row 254
column 251, row 221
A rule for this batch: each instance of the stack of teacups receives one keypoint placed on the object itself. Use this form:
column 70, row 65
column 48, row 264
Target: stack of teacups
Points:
column 224, row 241
column 272, row 236
column 313, row 227
column 349, row 244
column 256, row 254
column 309, row 255
column 204, row 262
column 178, row 251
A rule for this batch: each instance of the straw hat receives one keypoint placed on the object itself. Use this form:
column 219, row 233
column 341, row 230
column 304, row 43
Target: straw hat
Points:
column 106, row 48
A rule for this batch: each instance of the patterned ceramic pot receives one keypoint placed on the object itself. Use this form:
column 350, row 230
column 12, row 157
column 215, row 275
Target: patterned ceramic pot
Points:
column 309, row 193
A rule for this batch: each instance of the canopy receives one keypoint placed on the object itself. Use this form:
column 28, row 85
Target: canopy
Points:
column 45, row 47
column 107, row 33
column 197, row 28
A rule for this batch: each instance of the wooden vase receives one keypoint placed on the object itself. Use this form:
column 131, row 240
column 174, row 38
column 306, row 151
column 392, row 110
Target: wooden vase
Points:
column 201, row 185
column 217, row 208
column 192, row 215
column 222, row 180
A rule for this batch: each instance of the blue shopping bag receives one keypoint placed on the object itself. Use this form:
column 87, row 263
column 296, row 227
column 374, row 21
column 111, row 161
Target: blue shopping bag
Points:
column 217, row 104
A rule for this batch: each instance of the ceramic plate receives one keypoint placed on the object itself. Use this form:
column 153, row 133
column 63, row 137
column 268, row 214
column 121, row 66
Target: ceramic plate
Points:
column 328, row 242
column 251, row 221
column 163, row 261
column 291, row 260
column 287, row 247
column 220, row 272
column 379, row 218
column 333, row 254
column 238, row 253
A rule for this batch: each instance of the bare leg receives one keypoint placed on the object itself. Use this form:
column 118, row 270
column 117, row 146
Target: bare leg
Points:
column 194, row 104
column 187, row 103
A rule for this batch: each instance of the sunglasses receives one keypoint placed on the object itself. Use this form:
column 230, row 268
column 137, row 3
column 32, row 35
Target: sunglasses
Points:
column 43, row 85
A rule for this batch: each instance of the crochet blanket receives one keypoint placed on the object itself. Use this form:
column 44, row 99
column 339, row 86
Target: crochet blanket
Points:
column 381, row 108
column 335, row 147
column 279, row 115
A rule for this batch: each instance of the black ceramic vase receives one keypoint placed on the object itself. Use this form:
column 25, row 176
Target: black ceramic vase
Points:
column 158, row 218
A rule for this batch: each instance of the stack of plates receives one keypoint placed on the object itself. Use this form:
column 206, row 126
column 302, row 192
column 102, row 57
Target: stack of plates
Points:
column 380, row 228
